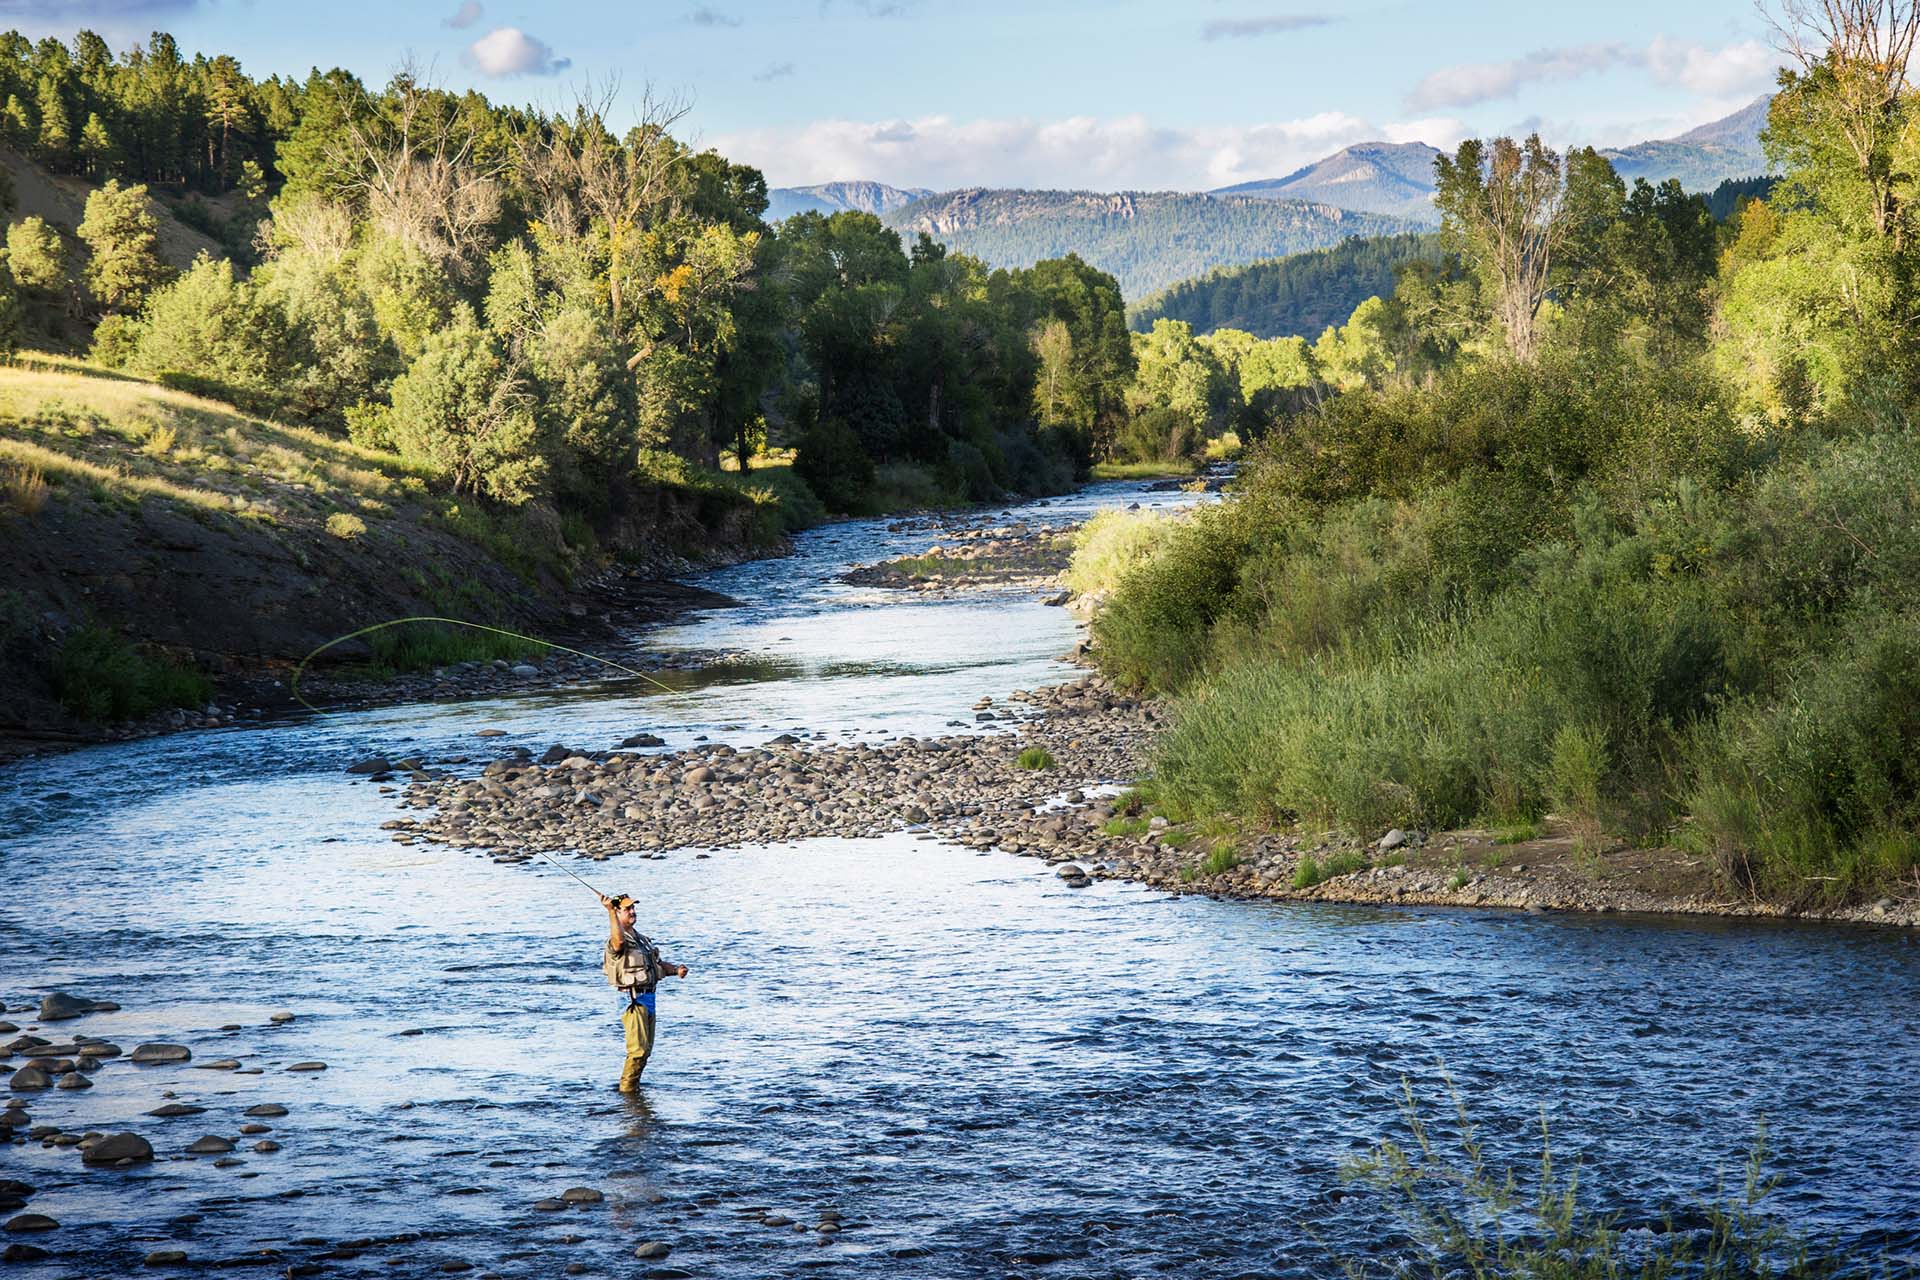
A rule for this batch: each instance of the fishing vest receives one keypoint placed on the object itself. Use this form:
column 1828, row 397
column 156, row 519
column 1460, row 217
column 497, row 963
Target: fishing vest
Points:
column 636, row 966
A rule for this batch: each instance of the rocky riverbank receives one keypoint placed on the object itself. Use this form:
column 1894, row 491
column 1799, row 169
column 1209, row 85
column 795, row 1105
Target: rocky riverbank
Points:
column 1042, row 778
column 1017, row 557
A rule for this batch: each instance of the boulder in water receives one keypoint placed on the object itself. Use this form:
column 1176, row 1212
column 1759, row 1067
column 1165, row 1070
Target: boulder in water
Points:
column 162, row 1053
column 118, row 1147
column 59, row 1006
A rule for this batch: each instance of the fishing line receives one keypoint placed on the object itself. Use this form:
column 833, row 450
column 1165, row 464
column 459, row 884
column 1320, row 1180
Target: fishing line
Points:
column 300, row 669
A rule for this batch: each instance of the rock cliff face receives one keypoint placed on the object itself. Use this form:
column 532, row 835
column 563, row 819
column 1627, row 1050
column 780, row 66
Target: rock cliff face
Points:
column 837, row 197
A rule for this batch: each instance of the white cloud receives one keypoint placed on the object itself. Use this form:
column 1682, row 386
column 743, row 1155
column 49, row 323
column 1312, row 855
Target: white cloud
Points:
column 1078, row 152
column 465, row 16
column 1469, row 83
column 1745, row 69
column 509, row 51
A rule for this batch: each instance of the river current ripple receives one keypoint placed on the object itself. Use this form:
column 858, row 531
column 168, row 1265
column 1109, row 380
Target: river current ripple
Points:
column 983, row 1072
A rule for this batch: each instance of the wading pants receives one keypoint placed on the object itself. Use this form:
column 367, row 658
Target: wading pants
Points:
column 637, row 1018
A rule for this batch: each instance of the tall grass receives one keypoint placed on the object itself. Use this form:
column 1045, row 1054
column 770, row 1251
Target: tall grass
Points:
column 1461, row 1216
column 1404, row 620
column 423, row 645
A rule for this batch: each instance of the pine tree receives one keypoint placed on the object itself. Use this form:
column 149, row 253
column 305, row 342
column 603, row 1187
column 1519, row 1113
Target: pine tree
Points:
column 17, row 127
column 96, row 147
column 120, row 230
column 56, row 135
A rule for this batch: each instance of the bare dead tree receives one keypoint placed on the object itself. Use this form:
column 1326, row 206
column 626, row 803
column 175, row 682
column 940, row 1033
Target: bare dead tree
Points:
column 419, row 169
column 584, row 177
column 1857, row 53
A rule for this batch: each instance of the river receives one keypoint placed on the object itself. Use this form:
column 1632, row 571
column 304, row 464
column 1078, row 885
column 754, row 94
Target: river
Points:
column 977, row 1070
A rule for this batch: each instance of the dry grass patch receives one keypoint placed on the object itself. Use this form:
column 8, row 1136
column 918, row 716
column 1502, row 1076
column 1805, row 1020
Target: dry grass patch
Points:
column 140, row 438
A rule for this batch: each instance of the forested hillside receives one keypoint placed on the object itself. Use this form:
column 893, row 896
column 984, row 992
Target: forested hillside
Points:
column 1297, row 295
column 1700, row 158
column 1145, row 239
column 548, row 327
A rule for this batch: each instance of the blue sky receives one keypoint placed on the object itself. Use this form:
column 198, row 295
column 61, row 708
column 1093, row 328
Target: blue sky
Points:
column 1103, row 94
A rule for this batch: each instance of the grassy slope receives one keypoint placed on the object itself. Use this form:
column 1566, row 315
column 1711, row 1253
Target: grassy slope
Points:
column 232, row 541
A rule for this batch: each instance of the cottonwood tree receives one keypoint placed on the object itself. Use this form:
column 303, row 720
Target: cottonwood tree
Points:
column 1503, row 208
column 588, row 182
column 1844, row 105
column 419, row 164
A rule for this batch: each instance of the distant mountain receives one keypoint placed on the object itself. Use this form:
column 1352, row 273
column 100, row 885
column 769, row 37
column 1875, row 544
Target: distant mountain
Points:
column 1397, row 178
column 1299, row 295
column 835, row 197
column 1146, row 239
column 1701, row 158
column 1371, row 177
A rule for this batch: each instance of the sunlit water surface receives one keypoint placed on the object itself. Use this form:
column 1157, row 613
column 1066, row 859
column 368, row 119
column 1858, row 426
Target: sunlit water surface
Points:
column 982, row 1071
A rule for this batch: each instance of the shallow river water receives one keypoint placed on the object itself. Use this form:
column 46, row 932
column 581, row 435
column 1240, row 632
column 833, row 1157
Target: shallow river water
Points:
column 982, row 1072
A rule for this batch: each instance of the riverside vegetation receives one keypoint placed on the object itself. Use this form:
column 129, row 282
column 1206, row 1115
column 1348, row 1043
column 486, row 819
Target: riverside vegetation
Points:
column 1623, row 525
column 339, row 326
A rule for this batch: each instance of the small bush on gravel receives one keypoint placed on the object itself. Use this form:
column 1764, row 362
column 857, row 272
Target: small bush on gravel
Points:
column 1035, row 758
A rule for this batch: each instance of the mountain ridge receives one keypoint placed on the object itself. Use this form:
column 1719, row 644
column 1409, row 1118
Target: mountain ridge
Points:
column 1367, row 177
column 1146, row 239
column 856, row 195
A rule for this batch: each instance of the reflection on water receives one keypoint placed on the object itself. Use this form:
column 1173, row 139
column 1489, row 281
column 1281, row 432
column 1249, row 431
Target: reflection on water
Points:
column 983, row 1072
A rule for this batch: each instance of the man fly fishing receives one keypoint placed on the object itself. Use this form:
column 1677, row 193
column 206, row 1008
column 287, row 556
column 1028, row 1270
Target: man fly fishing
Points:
column 634, row 966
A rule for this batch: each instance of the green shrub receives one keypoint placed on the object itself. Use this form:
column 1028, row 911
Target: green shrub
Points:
column 370, row 425
column 420, row 646
column 98, row 676
column 345, row 526
column 1158, row 435
column 463, row 408
column 1576, row 775
column 907, row 486
column 1219, row 860
column 1112, row 544
column 1035, row 758
column 1344, row 863
column 115, row 339
column 36, row 255
column 795, row 503
column 1815, row 795
column 211, row 334
column 835, row 465
column 1154, row 633
column 1307, row 874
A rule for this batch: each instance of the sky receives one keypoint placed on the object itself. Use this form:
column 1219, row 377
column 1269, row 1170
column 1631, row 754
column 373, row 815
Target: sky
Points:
column 1095, row 94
